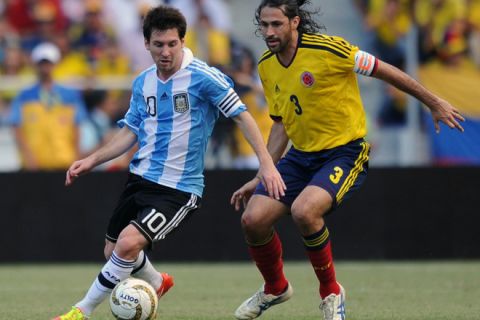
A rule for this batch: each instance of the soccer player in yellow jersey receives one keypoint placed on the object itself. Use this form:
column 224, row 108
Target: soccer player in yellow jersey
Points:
column 310, row 83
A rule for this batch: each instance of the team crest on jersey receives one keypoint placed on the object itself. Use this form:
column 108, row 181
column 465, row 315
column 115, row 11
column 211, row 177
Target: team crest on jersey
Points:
column 180, row 102
column 307, row 79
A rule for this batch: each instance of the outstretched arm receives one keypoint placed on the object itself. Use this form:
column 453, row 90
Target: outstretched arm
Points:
column 267, row 172
column 441, row 109
column 119, row 144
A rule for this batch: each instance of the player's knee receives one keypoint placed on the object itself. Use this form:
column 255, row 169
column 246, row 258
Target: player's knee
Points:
column 128, row 247
column 253, row 223
column 305, row 214
column 302, row 218
column 246, row 222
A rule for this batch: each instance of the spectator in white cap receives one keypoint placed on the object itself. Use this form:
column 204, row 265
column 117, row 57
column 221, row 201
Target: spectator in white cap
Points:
column 46, row 52
column 46, row 116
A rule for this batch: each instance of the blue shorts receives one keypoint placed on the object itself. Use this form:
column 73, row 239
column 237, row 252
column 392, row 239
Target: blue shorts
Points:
column 340, row 171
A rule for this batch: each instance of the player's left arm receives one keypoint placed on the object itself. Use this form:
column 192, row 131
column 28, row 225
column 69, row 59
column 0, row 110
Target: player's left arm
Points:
column 441, row 109
column 119, row 144
column 267, row 172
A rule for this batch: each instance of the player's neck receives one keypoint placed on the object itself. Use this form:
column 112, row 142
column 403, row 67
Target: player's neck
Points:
column 286, row 55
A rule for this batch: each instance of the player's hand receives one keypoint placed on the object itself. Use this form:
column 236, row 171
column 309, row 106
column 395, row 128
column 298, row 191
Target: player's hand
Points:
column 78, row 168
column 272, row 180
column 241, row 196
column 446, row 113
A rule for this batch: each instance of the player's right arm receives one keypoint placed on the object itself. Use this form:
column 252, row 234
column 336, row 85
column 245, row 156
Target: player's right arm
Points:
column 276, row 145
column 277, row 141
column 119, row 144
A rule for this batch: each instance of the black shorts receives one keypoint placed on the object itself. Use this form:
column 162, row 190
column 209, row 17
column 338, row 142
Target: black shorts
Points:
column 155, row 210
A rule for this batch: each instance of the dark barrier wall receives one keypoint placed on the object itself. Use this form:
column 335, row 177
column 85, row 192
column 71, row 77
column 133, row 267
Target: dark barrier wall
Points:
column 398, row 214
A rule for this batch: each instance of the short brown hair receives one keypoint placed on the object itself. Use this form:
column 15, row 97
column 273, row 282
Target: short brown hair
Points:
column 163, row 18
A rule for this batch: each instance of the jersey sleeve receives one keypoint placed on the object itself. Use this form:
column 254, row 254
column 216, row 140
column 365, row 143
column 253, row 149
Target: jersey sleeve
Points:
column 132, row 118
column 220, row 92
column 348, row 57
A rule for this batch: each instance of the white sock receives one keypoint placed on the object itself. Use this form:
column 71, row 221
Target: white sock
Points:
column 114, row 271
column 144, row 270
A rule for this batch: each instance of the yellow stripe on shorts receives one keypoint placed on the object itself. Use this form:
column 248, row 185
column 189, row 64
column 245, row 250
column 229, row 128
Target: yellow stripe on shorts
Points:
column 350, row 180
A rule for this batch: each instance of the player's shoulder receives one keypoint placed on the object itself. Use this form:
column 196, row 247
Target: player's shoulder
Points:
column 209, row 74
column 201, row 67
column 265, row 56
column 139, row 80
column 142, row 74
column 333, row 44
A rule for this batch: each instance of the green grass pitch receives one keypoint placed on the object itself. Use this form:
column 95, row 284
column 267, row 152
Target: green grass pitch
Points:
column 375, row 290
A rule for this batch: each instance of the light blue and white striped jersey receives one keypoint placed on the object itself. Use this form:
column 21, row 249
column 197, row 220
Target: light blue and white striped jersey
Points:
column 174, row 119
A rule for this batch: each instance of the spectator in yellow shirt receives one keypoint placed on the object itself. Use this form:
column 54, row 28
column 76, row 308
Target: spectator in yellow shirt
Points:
column 46, row 116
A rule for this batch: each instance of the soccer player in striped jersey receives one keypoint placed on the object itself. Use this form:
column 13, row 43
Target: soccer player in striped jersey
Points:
column 310, row 82
column 173, row 109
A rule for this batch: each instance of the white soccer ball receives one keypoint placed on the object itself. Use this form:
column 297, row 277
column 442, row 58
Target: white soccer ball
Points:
column 134, row 299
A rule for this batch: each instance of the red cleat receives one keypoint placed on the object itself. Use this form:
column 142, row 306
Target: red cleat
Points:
column 167, row 283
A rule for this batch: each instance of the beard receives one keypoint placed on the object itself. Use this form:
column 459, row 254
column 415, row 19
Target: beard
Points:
column 278, row 46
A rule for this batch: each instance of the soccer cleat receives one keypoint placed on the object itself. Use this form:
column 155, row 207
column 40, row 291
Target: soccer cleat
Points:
column 167, row 283
column 333, row 306
column 74, row 314
column 254, row 306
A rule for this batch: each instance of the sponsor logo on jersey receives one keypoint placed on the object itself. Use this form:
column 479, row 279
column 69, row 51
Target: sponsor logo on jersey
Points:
column 307, row 79
column 180, row 103
column 164, row 96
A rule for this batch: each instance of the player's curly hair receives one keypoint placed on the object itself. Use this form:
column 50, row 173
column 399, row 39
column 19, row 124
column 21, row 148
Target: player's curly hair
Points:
column 291, row 9
column 164, row 18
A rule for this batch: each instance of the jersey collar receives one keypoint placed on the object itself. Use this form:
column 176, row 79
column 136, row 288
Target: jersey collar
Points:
column 187, row 58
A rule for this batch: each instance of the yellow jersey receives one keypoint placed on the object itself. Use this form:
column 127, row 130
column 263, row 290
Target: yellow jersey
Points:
column 49, row 122
column 317, row 96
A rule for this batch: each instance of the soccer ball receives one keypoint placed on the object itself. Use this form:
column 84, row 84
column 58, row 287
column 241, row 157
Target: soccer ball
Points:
column 134, row 299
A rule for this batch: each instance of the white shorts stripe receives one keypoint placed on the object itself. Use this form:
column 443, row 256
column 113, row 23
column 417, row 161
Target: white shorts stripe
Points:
column 178, row 217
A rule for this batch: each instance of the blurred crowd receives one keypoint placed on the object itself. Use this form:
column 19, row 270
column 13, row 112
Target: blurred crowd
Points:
column 448, row 34
column 96, row 48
